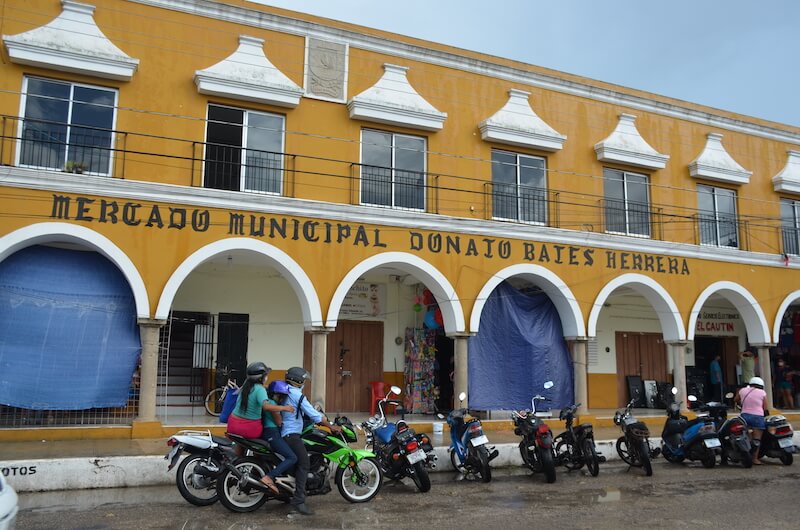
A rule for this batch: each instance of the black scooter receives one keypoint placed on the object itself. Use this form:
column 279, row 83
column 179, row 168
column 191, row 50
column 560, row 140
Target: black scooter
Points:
column 732, row 433
column 777, row 441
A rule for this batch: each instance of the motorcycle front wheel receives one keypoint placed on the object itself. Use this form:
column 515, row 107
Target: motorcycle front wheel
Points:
column 236, row 493
column 197, row 489
column 360, row 481
column 590, row 456
column 624, row 452
column 548, row 465
column 644, row 458
column 420, row 477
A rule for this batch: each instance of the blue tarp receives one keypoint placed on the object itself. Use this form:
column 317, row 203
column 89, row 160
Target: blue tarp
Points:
column 69, row 339
column 520, row 345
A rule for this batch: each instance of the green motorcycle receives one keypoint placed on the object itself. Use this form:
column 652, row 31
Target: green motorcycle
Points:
column 358, row 475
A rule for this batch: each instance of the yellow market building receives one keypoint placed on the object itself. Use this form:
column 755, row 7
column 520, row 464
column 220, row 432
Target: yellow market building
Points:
column 189, row 186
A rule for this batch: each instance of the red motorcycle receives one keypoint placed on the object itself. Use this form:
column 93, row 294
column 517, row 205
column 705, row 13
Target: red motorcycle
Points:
column 536, row 447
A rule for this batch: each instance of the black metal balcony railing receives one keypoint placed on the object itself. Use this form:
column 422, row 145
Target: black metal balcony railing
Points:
column 107, row 152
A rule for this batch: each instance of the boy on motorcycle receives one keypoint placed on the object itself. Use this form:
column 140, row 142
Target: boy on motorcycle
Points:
column 292, row 428
column 277, row 392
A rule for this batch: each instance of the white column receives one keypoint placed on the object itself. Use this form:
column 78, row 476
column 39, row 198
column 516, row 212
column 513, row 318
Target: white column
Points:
column 580, row 375
column 461, row 354
column 765, row 369
column 679, row 370
column 149, row 332
column 319, row 361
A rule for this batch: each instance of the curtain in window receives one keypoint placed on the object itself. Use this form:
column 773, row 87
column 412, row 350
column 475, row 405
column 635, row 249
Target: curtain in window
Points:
column 520, row 345
column 69, row 339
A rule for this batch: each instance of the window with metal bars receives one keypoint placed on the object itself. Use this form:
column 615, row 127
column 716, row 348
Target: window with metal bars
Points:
column 392, row 170
column 519, row 187
column 717, row 216
column 790, row 226
column 627, row 205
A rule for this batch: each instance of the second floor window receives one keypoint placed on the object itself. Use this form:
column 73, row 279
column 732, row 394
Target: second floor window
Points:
column 244, row 150
column 393, row 170
column 627, row 206
column 519, row 189
column 790, row 226
column 67, row 126
column 717, row 216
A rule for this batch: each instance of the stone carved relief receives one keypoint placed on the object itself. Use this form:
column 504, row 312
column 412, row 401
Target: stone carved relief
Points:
column 326, row 68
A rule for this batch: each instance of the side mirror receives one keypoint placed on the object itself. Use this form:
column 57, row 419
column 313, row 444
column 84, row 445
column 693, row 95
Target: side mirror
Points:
column 674, row 391
column 462, row 396
column 548, row 385
column 729, row 395
column 396, row 390
column 692, row 398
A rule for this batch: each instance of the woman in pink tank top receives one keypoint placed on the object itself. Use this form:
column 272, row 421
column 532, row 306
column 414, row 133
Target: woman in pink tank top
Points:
column 753, row 400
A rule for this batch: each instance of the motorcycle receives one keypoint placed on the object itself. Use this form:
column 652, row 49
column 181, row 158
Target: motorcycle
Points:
column 694, row 439
column 358, row 474
column 633, row 447
column 575, row 446
column 197, row 474
column 536, row 447
column 777, row 440
column 732, row 433
column 469, row 452
column 400, row 451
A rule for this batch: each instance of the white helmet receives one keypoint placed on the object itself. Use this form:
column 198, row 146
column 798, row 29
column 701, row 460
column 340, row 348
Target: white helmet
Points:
column 756, row 381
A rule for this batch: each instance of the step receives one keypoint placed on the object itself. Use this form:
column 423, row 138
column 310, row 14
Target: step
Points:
column 182, row 410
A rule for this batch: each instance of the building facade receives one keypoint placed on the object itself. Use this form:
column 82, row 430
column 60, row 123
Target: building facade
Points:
column 189, row 186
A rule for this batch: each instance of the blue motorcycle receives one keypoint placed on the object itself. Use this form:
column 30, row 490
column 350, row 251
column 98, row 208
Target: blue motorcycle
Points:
column 469, row 451
column 695, row 439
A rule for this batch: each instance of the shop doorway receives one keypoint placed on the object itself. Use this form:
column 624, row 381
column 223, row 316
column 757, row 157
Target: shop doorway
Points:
column 642, row 355
column 355, row 357
column 705, row 349
column 445, row 366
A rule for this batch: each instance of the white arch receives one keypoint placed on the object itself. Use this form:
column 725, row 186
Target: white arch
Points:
column 68, row 233
column 668, row 315
column 776, row 327
column 289, row 269
column 567, row 306
column 752, row 315
column 435, row 281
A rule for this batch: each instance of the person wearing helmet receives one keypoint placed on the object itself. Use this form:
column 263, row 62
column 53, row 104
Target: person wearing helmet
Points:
column 291, row 429
column 245, row 420
column 277, row 392
column 753, row 400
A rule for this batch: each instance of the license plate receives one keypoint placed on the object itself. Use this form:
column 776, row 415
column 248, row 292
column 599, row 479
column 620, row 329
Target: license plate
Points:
column 417, row 456
column 785, row 442
column 479, row 440
column 712, row 442
column 172, row 456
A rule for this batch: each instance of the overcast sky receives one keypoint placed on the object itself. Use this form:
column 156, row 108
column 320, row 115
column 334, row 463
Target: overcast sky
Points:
column 737, row 55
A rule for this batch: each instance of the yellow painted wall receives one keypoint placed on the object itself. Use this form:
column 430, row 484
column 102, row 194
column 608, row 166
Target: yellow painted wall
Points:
column 602, row 391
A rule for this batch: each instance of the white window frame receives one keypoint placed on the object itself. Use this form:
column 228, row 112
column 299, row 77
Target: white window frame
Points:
column 245, row 130
column 394, row 169
column 72, row 84
column 517, row 184
column 795, row 226
column 626, row 201
column 715, row 214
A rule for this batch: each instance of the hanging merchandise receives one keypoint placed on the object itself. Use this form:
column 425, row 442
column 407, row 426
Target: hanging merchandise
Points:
column 430, row 319
column 419, row 371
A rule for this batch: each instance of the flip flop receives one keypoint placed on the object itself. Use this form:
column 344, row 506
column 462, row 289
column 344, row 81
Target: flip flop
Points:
column 271, row 485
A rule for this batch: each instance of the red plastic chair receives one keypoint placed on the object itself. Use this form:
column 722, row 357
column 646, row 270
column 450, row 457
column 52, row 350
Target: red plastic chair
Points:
column 377, row 393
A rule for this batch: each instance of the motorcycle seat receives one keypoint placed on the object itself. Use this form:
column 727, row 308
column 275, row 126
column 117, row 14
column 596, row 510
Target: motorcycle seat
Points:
column 221, row 440
column 675, row 427
column 583, row 427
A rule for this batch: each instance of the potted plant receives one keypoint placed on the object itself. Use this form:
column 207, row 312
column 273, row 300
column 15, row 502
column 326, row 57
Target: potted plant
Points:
column 75, row 167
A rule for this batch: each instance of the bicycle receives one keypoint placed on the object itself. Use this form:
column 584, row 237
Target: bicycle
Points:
column 215, row 398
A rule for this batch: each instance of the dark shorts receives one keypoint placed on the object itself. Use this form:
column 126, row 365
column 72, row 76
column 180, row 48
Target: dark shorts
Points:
column 754, row 421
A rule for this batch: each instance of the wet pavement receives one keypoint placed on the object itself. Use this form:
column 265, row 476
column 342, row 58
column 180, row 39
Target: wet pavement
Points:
column 676, row 496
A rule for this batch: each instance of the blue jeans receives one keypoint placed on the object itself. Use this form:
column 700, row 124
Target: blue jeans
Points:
column 279, row 445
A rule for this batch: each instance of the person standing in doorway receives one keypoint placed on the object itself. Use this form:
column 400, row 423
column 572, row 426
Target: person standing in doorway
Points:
column 748, row 363
column 715, row 373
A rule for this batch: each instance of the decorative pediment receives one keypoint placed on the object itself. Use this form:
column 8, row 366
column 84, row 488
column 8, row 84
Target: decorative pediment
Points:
column 626, row 146
column 248, row 75
column 788, row 180
column 71, row 42
column 394, row 101
column 517, row 124
column 714, row 163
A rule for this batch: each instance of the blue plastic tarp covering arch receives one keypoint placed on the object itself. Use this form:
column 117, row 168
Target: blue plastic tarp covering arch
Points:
column 520, row 345
column 69, row 339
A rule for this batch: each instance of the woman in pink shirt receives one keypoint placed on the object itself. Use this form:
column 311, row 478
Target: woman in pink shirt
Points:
column 753, row 400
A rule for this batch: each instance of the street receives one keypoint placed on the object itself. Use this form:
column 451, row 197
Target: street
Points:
column 676, row 496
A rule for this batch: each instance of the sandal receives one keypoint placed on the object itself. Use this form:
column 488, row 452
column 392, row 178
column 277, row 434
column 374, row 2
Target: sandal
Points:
column 268, row 482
